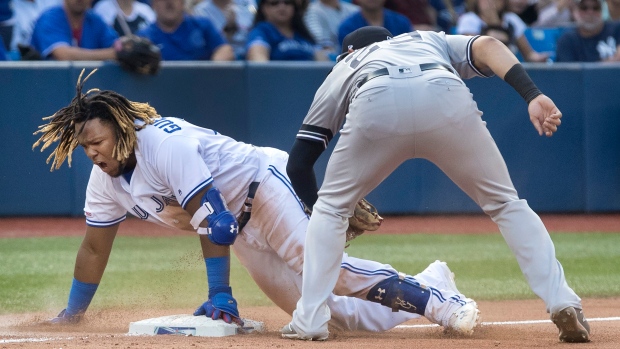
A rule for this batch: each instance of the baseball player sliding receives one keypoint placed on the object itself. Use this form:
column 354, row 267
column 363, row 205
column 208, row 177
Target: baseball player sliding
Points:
column 400, row 99
column 170, row 172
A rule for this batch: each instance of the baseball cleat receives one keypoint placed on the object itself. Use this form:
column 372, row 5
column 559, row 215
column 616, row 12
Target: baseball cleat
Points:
column 289, row 332
column 573, row 326
column 464, row 319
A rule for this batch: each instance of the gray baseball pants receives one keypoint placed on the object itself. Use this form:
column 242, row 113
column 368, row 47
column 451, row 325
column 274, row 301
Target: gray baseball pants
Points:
column 432, row 116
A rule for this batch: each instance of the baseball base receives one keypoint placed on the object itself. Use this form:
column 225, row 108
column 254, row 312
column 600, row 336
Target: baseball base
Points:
column 189, row 325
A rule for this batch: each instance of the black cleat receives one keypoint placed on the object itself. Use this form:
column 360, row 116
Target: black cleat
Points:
column 573, row 326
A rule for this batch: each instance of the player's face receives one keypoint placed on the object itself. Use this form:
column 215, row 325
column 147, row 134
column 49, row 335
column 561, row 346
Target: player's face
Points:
column 98, row 140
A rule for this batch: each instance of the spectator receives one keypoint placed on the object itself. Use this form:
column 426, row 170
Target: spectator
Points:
column 525, row 9
column 6, row 22
column 323, row 18
column 491, row 17
column 372, row 13
column 184, row 37
column 553, row 13
column 233, row 19
column 446, row 14
column 73, row 32
column 593, row 39
column 303, row 6
column 613, row 10
column 137, row 15
column 419, row 12
column 279, row 34
column 26, row 13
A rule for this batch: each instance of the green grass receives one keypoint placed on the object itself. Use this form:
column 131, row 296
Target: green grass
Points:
column 36, row 273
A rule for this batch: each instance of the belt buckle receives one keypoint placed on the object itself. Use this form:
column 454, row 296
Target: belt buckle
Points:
column 404, row 72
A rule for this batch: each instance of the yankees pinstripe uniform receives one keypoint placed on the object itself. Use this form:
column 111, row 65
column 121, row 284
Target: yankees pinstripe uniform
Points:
column 271, row 245
column 401, row 99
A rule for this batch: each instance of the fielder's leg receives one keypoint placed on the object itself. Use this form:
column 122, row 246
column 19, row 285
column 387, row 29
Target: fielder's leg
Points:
column 470, row 157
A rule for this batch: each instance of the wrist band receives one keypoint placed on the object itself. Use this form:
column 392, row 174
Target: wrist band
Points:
column 518, row 78
column 218, row 275
column 80, row 296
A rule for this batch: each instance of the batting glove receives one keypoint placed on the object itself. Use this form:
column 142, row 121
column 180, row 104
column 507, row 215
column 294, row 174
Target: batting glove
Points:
column 221, row 306
column 65, row 318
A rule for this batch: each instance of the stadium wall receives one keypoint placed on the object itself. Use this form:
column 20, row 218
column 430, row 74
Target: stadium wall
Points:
column 576, row 170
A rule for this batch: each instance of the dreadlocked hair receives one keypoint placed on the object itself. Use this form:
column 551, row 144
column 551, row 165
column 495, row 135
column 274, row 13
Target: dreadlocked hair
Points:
column 108, row 106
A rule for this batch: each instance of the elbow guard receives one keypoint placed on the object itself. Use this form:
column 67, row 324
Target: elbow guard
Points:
column 222, row 228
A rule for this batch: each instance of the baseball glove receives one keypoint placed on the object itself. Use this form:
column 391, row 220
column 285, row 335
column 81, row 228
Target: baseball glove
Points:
column 365, row 217
column 138, row 54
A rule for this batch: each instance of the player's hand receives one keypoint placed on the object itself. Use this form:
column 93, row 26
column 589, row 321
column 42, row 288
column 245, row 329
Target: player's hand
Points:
column 65, row 318
column 221, row 306
column 544, row 115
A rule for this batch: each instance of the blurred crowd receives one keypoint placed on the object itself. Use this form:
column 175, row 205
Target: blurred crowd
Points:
column 300, row 30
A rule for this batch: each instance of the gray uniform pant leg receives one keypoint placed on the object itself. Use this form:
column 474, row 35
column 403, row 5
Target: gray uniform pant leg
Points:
column 432, row 116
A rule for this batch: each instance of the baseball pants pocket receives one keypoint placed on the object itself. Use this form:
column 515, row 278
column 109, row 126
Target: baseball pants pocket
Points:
column 375, row 111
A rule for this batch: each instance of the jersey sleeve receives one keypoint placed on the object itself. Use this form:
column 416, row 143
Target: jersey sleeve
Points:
column 327, row 112
column 180, row 165
column 100, row 208
column 461, row 58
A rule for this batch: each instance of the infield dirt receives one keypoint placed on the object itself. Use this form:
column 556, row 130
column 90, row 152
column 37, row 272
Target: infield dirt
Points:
column 108, row 328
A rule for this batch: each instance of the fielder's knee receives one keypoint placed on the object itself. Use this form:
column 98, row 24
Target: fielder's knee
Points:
column 400, row 294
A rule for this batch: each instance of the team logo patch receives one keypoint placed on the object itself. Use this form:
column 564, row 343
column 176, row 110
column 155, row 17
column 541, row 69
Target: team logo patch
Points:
column 182, row 331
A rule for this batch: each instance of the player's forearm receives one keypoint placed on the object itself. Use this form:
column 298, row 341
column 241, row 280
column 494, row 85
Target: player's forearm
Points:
column 68, row 53
column 489, row 53
column 300, row 170
column 93, row 255
column 209, row 249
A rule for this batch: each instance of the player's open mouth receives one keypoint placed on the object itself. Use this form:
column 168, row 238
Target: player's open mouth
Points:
column 102, row 165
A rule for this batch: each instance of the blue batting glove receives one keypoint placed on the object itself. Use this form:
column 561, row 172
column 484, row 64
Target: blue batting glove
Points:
column 221, row 306
column 65, row 318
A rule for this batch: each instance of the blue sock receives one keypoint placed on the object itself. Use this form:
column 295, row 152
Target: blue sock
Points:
column 218, row 275
column 80, row 296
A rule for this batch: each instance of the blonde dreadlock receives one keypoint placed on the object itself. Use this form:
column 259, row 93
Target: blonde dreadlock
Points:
column 108, row 106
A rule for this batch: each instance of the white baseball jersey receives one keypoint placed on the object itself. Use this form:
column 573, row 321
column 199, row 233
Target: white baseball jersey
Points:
column 332, row 99
column 162, row 182
column 176, row 159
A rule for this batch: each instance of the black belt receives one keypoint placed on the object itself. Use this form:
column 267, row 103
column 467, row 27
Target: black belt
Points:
column 246, row 210
column 385, row 71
